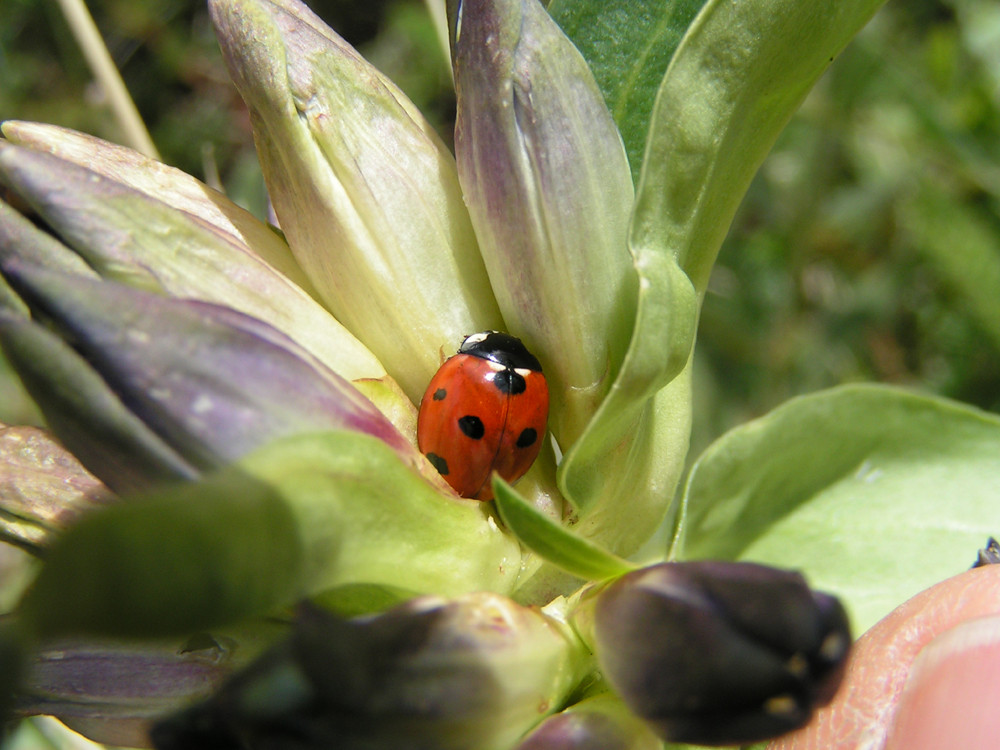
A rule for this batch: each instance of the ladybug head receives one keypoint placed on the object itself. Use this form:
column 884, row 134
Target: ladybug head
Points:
column 501, row 348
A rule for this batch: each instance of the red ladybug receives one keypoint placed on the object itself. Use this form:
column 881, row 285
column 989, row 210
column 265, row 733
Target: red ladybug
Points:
column 485, row 410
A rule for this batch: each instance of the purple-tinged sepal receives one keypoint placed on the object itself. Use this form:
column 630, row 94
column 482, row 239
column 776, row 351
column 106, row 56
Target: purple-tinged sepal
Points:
column 203, row 384
column 141, row 223
column 602, row 722
column 548, row 186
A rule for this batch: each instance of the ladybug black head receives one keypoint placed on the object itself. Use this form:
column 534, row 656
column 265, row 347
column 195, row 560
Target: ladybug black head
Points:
column 501, row 348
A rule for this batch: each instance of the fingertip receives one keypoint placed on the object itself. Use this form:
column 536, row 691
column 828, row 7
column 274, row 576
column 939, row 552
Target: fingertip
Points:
column 952, row 691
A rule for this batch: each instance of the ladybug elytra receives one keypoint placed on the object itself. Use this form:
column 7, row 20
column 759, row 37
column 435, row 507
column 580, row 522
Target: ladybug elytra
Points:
column 485, row 410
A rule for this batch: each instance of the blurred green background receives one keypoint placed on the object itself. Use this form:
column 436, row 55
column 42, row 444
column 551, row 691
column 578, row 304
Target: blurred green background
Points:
column 868, row 248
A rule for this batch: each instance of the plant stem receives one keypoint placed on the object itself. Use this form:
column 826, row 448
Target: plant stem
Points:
column 103, row 67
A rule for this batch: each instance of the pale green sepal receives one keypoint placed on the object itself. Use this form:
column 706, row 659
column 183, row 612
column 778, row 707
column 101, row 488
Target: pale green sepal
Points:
column 547, row 182
column 130, row 237
column 552, row 541
column 295, row 518
column 376, row 521
column 736, row 78
column 632, row 453
column 365, row 191
column 164, row 183
column 872, row 492
column 43, row 489
column 738, row 75
column 355, row 599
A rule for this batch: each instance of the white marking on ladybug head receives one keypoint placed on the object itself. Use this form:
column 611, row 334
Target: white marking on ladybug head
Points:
column 476, row 338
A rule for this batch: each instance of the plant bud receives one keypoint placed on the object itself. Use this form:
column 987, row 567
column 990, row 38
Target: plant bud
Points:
column 717, row 652
column 473, row 673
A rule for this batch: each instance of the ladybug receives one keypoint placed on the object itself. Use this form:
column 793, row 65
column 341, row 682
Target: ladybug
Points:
column 485, row 410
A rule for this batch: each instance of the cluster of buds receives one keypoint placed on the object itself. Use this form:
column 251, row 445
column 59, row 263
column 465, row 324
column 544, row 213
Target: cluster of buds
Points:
column 235, row 415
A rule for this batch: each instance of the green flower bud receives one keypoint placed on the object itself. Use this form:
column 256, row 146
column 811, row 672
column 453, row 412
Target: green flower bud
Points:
column 719, row 653
column 143, row 226
column 549, row 190
column 473, row 673
column 365, row 191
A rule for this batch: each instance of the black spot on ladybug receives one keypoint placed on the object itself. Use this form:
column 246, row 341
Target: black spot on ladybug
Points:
column 509, row 382
column 439, row 394
column 471, row 426
column 438, row 463
column 527, row 437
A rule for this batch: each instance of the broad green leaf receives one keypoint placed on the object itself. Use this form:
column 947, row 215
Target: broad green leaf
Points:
column 298, row 517
column 874, row 493
column 198, row 555
column 554, row 542
column 628, row 45
column 737, row 77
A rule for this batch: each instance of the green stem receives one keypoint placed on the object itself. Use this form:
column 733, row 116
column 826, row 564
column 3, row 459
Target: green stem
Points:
column 103, row 67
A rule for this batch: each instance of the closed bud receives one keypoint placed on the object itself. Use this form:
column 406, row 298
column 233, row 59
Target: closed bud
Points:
column 719, row 653
column 599, row 723
column 473, row 673
column 144, row 388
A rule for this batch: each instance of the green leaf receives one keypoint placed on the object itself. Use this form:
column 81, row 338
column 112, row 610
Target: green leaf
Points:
column 295, row 518
column 195, row 556
column 737, row 77
column 554, row 542
column 873, row 493
column 628, row 45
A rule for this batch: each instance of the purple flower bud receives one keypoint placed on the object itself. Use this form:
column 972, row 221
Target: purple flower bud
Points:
column 718, row 652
